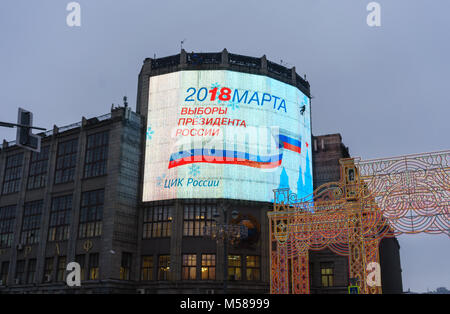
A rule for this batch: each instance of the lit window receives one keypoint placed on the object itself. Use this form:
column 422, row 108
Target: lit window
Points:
column 164, row 267
column 189, row 270
column 147, row 268
column 93, row 266
column 253, row 267
column 91, row 214
column 208, row 266
column 61, row 268
column 125, row 267
column 234, row 267
column 327, row 274
column 60, row 213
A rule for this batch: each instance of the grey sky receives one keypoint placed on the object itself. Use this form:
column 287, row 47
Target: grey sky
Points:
column 384, row 89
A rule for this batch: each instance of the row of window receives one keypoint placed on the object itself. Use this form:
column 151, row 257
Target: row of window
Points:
column 91, row 215
column 26, row 269
column 204, row 269
column 66, row 161
column 158, row 220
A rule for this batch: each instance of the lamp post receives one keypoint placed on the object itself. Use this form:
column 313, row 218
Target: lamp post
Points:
column 226, row 233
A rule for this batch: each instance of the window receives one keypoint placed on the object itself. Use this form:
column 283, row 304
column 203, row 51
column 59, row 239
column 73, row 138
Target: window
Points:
column 93, row 266
column 66, row 161
column 7, row 219
column 196, row 217
column 37, row 177
column 189, row 270
column 48, row 269
column 157, row 222
column 20, row 271
column 327, row 274
column 31, row 270
column 13, row 174
column 31, row 222
column 91, row 214
column 208, row 266
column 4, row 272
column 61, row 268
column 234, row 267
column 125, row 267
column 80, row 259
column 253, row 267
column 164, row 267
column 60, row 217
column 147, row 268
column 96, row 154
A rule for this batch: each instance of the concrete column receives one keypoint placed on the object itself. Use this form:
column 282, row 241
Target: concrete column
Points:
column 176, row 241
column 264, row 64
column 47, row 207
column 19, row 215
column 294, row 76
column 224, row 58
column 76, row 201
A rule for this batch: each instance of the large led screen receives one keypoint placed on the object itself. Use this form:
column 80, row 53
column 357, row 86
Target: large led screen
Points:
column 225, row 134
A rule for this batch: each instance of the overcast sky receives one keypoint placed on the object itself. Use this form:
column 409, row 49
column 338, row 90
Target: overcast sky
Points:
column 385, row 89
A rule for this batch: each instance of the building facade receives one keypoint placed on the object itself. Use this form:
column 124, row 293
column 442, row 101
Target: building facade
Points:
column 80, row 200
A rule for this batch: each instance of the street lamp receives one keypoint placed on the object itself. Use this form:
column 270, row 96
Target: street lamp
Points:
column 224, row 232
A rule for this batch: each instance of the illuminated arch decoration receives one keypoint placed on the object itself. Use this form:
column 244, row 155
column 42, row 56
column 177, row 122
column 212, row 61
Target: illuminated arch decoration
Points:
column 374, row 199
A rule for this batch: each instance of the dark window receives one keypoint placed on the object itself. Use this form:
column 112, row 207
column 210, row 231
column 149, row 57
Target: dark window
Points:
column 96, row 154
column 157, row 222
column 253, row 267
column 147, row 268
column 327, row 274
column 164, row 267
column 196, row 217
column 60, row 217
column 81, row 260
column 20, row 271
column 189, row 270
column 48, row 269
column 234, row 267
column 125, row 266
column 31, row 222
column 93, row 266
column 31, row 270
column 66, row 161
column 208, row 266
column 62, row 260
column 91, row 214
column 4, row 272
column 13, row 174
column 37, row 177
column 7, row 219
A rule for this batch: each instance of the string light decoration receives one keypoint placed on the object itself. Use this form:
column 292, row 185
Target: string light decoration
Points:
column 374, row 199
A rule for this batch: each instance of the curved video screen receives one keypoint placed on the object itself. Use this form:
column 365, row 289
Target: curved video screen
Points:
column 226, row 134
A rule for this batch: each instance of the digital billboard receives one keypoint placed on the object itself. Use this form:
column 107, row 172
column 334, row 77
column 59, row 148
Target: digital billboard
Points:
column 225, row 134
